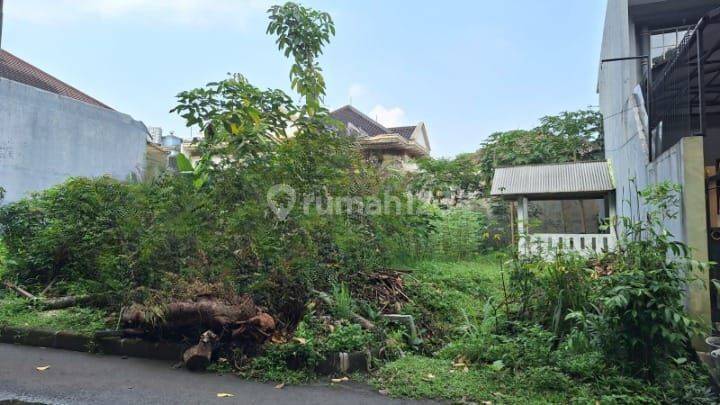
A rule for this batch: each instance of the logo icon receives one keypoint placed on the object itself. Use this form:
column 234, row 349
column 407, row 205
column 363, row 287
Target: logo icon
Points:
column 280, row 199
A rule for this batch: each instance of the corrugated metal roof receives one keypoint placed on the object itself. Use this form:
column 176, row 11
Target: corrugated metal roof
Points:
column 561, row 178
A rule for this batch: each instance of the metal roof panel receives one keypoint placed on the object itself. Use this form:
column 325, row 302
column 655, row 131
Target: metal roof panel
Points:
column 561, row 178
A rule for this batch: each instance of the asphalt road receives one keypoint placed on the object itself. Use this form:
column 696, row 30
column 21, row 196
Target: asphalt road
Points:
column 81, row 378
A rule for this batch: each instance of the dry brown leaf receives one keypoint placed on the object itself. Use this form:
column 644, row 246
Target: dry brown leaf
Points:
column 280, row 386
column 278, row 339
column 429, row 377
column 300, row 340
column 42, row 368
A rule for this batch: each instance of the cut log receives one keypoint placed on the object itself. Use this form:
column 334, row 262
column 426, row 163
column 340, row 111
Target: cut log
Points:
column 258, row 328
column 197, row 358
column 206, row 312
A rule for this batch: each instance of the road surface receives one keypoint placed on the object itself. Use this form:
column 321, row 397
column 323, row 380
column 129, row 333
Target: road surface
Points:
column 82, row 378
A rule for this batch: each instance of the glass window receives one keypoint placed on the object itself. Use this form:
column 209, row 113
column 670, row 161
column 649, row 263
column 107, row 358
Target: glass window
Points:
column 663, row 43
column 566, row 216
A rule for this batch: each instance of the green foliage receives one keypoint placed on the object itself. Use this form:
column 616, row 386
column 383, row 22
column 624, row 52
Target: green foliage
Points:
column 529, row 346
column 423, row 377
column 445, row 297
column 567, row 137
column 211, row 223
column 347, row 338
column 104, row 234
column 547, row 291
column 461, row 234
column 640, row 315
column 19, row 312
column 447, row 178
column 3, row 260
column 605, row 330
column 288, row 363
column 343, row 304
column 582, row 130
column 303, row 32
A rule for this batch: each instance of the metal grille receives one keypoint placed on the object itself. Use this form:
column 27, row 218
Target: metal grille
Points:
column 674, row 99
column 686, row 85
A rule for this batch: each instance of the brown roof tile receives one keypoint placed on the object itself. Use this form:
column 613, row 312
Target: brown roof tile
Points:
column 405, row 132
column 349, row 114
column 16, row 69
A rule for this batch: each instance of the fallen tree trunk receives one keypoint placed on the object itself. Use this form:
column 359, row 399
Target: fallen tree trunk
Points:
column 75, row 300
column 206, row 312
column 198, row 357
column 62, row 302
column 19, row 290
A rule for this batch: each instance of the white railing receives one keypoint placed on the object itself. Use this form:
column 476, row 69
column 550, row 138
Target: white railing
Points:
column 548, row 244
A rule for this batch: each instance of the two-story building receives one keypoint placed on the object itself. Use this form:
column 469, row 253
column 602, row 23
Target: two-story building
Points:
column 659, row 88
column 394, row 147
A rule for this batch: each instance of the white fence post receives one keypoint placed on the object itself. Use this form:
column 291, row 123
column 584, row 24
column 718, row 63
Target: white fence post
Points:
column 548, row 244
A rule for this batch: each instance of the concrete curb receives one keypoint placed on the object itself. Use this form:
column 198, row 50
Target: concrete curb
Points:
column 66, row 340
column 341, row 363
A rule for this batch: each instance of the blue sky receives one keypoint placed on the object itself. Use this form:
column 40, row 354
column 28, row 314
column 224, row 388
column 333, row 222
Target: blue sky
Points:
column 465, row 68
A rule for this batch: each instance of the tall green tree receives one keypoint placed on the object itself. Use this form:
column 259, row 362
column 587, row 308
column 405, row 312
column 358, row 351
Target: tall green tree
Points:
column 302, row 33
column 566, row 137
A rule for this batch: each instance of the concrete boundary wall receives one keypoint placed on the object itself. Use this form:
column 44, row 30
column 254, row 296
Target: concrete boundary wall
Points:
column 683, row 164
column 46, row 138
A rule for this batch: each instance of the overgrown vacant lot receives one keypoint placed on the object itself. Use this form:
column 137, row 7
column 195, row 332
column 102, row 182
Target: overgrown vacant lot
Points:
column 433, row 292
column 470, row 350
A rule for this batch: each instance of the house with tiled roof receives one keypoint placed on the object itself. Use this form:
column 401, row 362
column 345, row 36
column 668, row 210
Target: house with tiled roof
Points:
column 50, row 130
column 391, row 147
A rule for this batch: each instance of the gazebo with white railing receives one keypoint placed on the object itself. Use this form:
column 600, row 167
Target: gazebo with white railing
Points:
column 581, row 182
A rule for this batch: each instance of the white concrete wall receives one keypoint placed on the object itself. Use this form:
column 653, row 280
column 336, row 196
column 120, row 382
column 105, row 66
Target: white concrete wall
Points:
column 46, row 138
column 626, row 148
column 625, row 143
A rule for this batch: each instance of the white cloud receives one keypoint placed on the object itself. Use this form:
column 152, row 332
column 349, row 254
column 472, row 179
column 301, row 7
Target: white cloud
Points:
column 186, row 12
column 389, row 117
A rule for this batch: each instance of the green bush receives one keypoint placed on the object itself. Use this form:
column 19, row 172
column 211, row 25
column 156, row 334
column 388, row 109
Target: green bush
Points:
column 347, row 338
column 102, row 233
column 639, row 317
column 343, row 304
column 547, row 291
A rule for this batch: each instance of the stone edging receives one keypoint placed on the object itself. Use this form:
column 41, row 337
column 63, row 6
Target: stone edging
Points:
column 133, row 347
column 82, row 343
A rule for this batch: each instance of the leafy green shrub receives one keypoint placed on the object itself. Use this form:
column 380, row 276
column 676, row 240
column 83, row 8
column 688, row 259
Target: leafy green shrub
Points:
column 547, row 291
column 290, row 362
column 640, row 316
column 527, row 346
column 343, row 304
column 459, row 234
column 103, row 233
column 347, row 338
column 545, row 378
column 578, row 358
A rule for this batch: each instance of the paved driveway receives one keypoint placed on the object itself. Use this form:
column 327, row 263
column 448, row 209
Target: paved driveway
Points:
column 81, row 378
